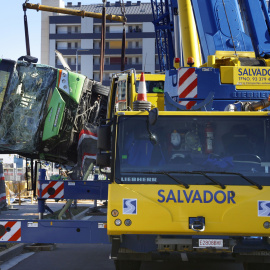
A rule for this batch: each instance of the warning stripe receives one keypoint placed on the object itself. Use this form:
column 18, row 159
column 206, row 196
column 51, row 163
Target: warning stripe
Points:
column 13, row 231
column 190, row 104
column 187, row 86
column 192, row 87
column 10, row 224
column 16, row 236
column 184, row 74
column 186, row 81
column 45, row 188
column 59, row 190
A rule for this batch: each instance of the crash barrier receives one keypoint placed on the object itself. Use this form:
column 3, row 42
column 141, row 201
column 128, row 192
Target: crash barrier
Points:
column 2, row 188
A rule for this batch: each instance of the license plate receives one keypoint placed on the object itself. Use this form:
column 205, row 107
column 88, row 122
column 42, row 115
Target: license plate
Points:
column 218, row 243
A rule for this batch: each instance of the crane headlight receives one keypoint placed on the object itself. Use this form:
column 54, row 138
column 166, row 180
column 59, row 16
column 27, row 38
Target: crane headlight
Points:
column 118, row 222
column 266, row 224
column 114, row 213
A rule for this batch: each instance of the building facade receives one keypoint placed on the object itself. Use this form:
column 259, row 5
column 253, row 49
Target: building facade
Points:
column 73, row 35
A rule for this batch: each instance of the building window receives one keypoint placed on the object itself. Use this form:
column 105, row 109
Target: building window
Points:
column 97, row 29
column 137, row 44
column 130, row 44
column 107, row 61
column 69, row 29
column 137, row 60
column 96, row 60
column 97, row 44
column 134, row 28
column 107, row 29
column 69, row 45
column 130, row 61
column 117, row 60
column 138, row 29
column 76, row 45
column 76, row 29
column 107, row 45
column 96, row 76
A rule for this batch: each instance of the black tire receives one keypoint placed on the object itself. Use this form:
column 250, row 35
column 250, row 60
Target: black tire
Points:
column 127, row 265
column 100, row 89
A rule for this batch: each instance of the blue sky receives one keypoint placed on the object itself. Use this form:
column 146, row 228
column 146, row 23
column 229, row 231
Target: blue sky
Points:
column 12, row 42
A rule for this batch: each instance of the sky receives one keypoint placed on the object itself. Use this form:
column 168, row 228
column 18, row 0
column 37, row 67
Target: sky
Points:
column 12, row 39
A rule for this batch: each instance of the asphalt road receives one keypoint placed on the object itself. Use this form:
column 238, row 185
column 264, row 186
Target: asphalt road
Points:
column 96, row 257
column 86, row 256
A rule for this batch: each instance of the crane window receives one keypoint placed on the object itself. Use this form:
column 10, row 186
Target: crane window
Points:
column 190, row 146
column 152, row 86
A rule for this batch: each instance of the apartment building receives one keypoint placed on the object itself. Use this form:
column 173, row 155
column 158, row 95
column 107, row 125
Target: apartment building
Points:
column 75, row 36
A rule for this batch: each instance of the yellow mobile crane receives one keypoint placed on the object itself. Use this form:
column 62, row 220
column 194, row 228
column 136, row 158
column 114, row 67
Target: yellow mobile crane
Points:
column 190, row 181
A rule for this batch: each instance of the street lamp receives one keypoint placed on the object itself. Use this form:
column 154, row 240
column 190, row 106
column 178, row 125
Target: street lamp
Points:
column 79, row 50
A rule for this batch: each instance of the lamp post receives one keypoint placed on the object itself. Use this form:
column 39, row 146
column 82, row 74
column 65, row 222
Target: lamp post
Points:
column 79, row 50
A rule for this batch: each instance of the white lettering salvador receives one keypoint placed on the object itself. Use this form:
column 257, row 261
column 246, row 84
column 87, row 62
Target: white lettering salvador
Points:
column 195, row 196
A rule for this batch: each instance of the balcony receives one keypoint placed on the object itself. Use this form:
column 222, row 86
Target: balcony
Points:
column 97, row 51
column 117, row 68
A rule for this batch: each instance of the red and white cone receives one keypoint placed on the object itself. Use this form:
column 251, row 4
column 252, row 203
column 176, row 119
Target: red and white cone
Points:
column 141, row 104
column 142, row 95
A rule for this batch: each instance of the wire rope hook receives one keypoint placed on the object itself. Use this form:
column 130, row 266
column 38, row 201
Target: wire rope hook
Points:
column 26, row 29
column 28, row 56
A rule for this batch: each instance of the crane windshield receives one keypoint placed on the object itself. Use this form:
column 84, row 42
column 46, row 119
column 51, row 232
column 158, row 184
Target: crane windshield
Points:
column 228, row 150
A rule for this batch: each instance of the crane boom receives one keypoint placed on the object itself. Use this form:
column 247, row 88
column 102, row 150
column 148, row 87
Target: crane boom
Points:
column 69, row 11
